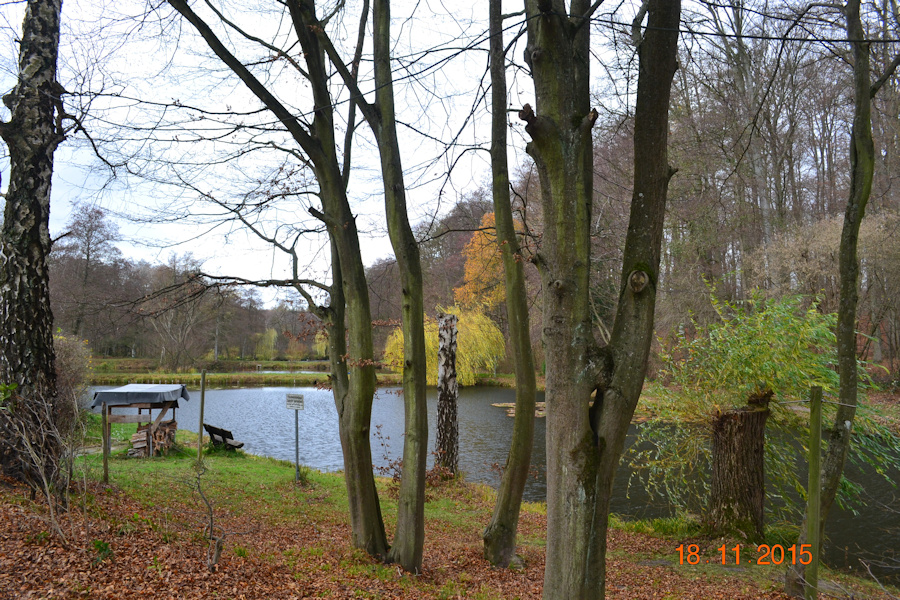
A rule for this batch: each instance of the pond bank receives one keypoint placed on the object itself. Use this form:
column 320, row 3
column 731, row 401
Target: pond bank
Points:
column 239, row 379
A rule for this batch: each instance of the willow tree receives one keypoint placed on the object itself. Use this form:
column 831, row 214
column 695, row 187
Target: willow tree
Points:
column 585, row 438
column 352, row 361
column 500, row 534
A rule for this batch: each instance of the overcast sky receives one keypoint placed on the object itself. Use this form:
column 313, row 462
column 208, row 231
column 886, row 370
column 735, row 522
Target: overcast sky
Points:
column 158, row 61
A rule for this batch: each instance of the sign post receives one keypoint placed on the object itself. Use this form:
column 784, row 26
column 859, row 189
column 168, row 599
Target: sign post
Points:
column 295, row 403
column 202, row 402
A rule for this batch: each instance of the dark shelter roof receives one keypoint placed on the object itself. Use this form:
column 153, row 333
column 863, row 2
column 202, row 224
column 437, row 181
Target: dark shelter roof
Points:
column 141, row 393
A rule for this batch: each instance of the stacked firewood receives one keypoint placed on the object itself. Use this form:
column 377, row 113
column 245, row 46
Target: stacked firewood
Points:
column 162, row 437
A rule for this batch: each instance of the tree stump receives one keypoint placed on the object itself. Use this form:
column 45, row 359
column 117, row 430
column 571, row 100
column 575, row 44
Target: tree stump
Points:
column 738, row 490
column 447, row 446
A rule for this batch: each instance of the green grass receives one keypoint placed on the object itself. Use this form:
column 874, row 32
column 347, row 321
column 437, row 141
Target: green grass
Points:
column 93, row 431
column 688, row 526
column 680, row 526
column 149, row 365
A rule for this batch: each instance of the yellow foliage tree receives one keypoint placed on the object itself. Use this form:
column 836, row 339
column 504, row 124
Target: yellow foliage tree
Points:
column 265, row 345
column 480, row 346
column 483, row 283
column 320, row 346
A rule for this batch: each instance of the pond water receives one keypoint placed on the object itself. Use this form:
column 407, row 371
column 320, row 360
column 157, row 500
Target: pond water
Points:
column 259, row 418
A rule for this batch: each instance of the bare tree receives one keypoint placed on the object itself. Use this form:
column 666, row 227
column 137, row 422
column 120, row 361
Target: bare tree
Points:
column 585, row 439
column 89, row 241
column 380, row 115
column 315, row 146
column 500, row 534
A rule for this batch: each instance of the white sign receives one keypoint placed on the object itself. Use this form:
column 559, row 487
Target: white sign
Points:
column 295, row 401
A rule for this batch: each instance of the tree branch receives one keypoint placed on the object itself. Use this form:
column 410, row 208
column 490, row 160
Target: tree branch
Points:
column 228, row 280
column 888, row 73
column 351, row 110
column 586, row 17
column 278, row 51
column 368, row 110
column 306, row 141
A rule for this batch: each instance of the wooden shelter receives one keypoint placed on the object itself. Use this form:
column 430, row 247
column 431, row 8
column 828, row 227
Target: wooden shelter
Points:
column 154, row 435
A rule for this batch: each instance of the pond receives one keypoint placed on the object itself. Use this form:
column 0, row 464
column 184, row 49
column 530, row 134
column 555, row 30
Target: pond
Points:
column 259, row 418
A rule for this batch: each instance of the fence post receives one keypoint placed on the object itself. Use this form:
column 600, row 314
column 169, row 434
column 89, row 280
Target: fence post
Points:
column 814, row 502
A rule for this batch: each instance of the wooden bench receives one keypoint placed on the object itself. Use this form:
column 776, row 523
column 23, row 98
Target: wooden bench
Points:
column 222, row 437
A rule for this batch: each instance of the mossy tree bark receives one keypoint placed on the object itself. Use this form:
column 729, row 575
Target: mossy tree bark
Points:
column 409, row 540
column 32, row 135
column 584, row 439
column 500, row 534
column 353, row 365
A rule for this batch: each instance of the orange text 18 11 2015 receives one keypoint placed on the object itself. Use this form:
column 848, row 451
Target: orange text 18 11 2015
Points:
column 764, row 554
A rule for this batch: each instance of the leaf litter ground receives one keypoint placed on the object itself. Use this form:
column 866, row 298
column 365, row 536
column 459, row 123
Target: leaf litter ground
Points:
column 123, row 543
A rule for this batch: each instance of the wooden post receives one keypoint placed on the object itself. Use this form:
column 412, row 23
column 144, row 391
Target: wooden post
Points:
column 150, row 434
column 202, row 402
column 814, row 502
column 104, row 442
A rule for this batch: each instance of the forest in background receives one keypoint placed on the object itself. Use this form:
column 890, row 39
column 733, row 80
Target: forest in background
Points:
column 757, row 203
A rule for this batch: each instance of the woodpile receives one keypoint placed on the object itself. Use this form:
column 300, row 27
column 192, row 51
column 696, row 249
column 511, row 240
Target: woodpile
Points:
column 162, row 438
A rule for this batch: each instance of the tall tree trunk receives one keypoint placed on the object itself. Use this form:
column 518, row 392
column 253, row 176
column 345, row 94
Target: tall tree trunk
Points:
column 862, row 166
column 409, row 540
column 410, row 537
column 500, row 534
column 31, row 136
column 738, row 490
column 354, row 418
column 353, row 397
column 584, row 440
column 447, row 445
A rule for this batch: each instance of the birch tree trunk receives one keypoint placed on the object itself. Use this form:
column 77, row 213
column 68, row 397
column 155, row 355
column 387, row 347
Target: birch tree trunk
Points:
column 31, row 136
column 447, row 445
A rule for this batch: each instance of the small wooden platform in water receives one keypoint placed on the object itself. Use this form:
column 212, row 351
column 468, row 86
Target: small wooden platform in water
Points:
column 540, row 409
